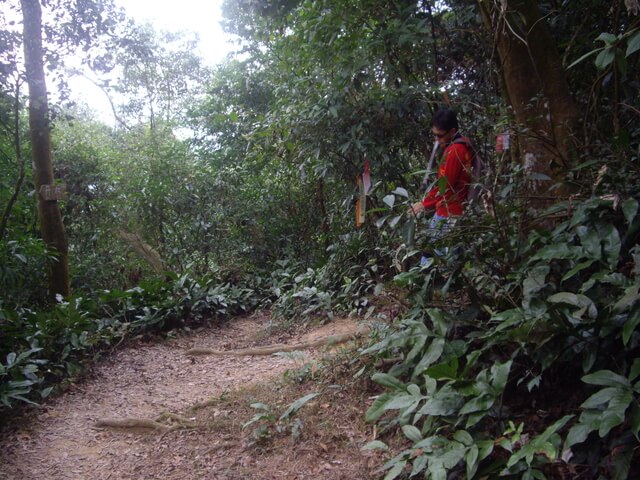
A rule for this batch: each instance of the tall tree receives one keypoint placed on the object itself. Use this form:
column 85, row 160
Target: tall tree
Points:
column 51, row 225
column 535, row 86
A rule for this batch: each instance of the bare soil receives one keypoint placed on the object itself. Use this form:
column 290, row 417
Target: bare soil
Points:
column 212, row 394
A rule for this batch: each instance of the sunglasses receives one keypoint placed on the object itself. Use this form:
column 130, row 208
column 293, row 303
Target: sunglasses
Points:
column 441, row 135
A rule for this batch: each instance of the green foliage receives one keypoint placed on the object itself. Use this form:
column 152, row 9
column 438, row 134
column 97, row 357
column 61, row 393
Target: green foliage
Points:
column 267, row 422
column 574, row 294
column 44, row 347
column 346, row 281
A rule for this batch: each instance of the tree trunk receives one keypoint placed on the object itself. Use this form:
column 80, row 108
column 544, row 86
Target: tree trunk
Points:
column 536, row 88
column 51, row 226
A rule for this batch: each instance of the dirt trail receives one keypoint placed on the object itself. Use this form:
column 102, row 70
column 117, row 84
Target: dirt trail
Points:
column 61, row 442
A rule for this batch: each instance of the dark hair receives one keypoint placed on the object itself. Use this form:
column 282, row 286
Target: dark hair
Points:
column 444, row 119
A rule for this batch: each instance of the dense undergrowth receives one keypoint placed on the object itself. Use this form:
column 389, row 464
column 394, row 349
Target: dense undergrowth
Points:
column 40, row 348
column 532, row 370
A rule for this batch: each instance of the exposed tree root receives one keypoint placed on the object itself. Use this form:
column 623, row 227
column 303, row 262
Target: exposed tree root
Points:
column 125, row 423
column 130, row 423
column 281, row 347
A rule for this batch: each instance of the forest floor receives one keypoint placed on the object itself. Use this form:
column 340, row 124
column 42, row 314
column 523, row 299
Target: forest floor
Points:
column 208, row 399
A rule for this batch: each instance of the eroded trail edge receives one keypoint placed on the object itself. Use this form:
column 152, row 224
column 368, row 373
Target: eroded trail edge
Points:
column 145, row 381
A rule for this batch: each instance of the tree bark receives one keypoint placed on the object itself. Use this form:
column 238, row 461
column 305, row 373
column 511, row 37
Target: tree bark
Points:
column 535, row 86
column 51, row 226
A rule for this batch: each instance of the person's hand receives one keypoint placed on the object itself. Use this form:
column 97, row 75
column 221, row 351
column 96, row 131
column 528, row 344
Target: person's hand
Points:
column 416, row 209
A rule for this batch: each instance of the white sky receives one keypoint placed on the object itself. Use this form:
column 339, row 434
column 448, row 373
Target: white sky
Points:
column 200, row 16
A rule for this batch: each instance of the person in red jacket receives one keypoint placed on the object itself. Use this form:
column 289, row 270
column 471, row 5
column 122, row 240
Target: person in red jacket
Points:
column 448, row 199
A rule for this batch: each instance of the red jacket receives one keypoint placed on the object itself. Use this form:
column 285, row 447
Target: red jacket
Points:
column 455, row 167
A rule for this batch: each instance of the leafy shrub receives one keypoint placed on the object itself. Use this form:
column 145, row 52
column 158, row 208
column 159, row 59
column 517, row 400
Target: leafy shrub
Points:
column 571, row 324
column 345, row 282
column 39, row 348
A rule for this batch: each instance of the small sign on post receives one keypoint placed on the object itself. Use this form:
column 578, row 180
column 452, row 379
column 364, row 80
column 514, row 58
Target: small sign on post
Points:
column 51, row 193
column 502, row 142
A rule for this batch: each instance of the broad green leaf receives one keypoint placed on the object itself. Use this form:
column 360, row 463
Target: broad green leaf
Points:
column 421, row 340
column 535, row 281
column 486, row 448
column 401, row 191
column 414, row 390
column 604, row 58
column 579, row 433
column 590, row 241
column 380, row 222
column 442, row 404
column 375, row 445
column 419, row 465
column 453, row 454
column 577, row 269
column 471, row 458
column 589, row 357
column 398, row 402
column 607, row 38
column 630, row 325
column 634, row 44
column 388, row 381
column 390, row 200
column 432, row 354
column 46, row 392
column 569, row 298
column 412, row 433
column 635, row 369
column 11, row 358
column 463, row 437
column 612, row 244
column 409, row 232
column 614, row 414
column 376, row 410
column 396, row 470
column 444, row 370
column 394, row 221
column 439, row 320
column 297, row 405
column 557, row 251
column 437, row 472
column 606, row 378
column 630, row 205
column 620, row 463
column 601, row 397
column 500, row 375
column 478, row 404
column 539, row 444
column 630, row 297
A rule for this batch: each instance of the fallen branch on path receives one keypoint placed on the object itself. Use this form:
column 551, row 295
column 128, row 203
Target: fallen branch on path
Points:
column 145, row 422
column 130, row 423
column 280, row 347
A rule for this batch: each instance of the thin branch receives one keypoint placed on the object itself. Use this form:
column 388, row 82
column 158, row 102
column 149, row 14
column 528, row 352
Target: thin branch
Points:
column 19, row 161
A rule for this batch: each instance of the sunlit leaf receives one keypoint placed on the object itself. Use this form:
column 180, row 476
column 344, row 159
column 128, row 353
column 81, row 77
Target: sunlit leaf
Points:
column 401, row 191
column 390, row 200
column 375, row 445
